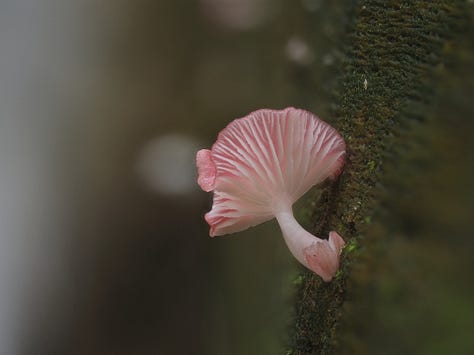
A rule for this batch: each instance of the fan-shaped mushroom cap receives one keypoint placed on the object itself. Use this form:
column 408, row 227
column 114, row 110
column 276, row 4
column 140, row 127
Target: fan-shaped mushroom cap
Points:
column 260, row 165
column 265, row 162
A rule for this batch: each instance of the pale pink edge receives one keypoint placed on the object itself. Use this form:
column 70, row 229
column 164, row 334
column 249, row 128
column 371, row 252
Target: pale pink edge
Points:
column 206, row 170
column 336, row 241
column 212, row 226
column 241, row 224
column 259, row 112
column 341, row 160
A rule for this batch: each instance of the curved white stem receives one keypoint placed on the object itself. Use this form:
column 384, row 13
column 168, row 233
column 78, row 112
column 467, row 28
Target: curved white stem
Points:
column 296, row 237
column 319, row 255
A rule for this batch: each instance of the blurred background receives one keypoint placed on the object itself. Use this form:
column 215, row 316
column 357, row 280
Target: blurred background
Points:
column 103, row 246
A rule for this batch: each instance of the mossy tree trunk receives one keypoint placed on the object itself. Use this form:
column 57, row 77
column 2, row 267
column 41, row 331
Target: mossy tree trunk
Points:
column 393, row 50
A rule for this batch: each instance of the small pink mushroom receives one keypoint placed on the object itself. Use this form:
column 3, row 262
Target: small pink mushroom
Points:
column 260, row 165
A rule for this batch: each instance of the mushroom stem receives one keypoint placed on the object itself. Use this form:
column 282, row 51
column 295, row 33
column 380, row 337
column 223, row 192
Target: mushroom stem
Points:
column 296, row 237
column 319, row 255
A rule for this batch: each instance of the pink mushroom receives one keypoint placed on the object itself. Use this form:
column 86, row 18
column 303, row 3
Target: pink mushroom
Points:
column 260, row 165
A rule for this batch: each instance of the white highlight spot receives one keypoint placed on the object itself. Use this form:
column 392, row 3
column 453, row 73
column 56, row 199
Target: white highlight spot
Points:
column 298, row 51
column 167, row 164
column 365, row 84
column 328, row 59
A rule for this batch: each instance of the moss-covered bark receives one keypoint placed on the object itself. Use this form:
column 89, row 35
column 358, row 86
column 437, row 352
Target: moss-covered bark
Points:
column 392, row 49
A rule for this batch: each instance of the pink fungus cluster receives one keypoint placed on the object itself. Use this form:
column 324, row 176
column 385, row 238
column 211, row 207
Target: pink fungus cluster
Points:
column 260, row 166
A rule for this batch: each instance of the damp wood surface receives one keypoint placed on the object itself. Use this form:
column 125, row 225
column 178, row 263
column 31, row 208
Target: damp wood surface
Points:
column 393, row 51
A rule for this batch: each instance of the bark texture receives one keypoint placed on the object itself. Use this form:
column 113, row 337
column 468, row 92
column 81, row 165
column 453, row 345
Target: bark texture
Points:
column 393, row 50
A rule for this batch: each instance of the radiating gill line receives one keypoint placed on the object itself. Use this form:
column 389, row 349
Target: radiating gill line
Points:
column 260, row 173
column 275, row 157
column 258, row 152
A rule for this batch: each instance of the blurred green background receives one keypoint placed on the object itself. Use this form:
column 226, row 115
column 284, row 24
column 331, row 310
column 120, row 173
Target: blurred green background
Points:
column 103, row 246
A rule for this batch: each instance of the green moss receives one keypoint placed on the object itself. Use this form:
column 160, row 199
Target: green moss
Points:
column 298, row 280
column 395, row 46
column 371, row 165
column 351, row 246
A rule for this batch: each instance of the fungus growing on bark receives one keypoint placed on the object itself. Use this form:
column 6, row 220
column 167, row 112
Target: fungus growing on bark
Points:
column 260, row 165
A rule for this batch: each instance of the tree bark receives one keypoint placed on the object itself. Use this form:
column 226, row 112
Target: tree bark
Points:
column 393, row 49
